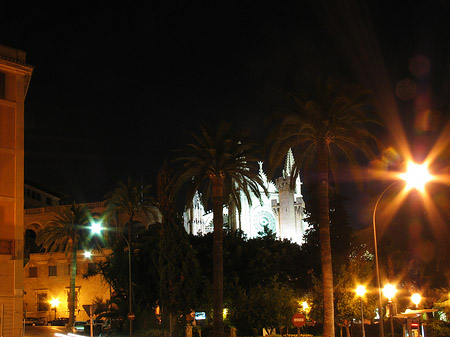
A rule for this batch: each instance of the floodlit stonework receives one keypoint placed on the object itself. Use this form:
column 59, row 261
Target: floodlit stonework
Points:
column 282, row 211
column 15, row 77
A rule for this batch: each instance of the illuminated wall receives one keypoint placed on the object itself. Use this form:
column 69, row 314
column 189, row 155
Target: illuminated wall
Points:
column 47, row 277
column 282, row 211
column 14, row 80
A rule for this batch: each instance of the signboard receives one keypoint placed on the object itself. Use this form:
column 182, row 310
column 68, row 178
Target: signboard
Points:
column 298, row 320
column 200, row 315
column 90, row 309
column 131, row 316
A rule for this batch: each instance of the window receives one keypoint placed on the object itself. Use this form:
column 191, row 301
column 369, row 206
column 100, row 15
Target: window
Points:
column 2, row 85
column 49, row 201
column 32, row 272
column 77, row 295
column 42, row 301
column 51, row 270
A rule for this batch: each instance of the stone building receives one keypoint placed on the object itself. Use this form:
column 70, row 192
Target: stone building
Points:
column 282, row 211
column 15, row 77
column 47, row 275
column 47, row 278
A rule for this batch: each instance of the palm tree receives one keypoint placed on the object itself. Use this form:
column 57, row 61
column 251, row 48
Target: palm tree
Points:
column 319, row 131
column 221, row 165
column 130, row 200
column 64, row 233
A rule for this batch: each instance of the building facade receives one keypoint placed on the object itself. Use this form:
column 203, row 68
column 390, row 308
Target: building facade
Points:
column 47, row 285
column 15, row 77
column 282, row 211
column 47, row 276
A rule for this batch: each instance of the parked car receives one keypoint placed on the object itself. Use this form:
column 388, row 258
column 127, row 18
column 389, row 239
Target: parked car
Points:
column 59, row 322
column 97, row 327
column 78, row 326
column 32, row 321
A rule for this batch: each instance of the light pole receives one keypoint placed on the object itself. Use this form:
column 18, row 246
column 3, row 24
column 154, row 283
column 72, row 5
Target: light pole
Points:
column 130, row 306
column 389, row 291
column 360, row 291
column 380, row 308
column 416, row 176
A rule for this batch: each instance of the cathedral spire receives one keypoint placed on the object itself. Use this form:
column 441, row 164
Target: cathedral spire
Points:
column 288, row 164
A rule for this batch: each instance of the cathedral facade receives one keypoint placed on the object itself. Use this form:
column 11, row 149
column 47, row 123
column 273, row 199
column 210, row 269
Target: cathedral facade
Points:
column 282, row 211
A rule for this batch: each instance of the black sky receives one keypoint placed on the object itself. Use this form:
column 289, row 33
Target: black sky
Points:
column 117, row 86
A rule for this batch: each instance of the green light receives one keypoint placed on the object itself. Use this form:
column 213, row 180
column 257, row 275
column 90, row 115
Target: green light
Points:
column 96, row 227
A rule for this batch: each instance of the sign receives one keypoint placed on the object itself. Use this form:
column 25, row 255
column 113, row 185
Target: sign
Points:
column 298, row 320
column 131, row 316
column 90, row 309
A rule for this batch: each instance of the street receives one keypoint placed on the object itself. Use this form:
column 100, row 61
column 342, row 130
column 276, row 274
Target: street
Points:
column 42, row 331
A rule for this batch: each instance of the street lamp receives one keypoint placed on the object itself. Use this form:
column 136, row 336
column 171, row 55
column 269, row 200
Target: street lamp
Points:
column 389, row 291
column 96, row 227
column 416, row 176
column 87, row 254
column 305, row 307
column 130, row 307
column 360, row 291
column 416, row 298
column 54, row 303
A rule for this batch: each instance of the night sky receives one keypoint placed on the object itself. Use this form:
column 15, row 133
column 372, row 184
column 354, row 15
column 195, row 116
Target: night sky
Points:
column 116, row 87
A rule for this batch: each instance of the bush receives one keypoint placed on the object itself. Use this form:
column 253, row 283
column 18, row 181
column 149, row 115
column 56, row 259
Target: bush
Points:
column 438, row 328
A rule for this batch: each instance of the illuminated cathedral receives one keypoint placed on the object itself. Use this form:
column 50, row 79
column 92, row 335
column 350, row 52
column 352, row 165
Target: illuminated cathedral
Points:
column 282, row 211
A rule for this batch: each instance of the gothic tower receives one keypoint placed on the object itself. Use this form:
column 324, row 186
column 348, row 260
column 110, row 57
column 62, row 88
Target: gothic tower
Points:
column 281, row 211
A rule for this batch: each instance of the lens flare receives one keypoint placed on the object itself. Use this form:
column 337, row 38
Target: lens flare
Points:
column 416, row 176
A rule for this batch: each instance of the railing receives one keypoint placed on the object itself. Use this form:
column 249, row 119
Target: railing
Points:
column 51, row 209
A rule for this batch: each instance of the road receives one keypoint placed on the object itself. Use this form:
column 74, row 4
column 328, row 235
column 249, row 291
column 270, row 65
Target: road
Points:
column 42, row 331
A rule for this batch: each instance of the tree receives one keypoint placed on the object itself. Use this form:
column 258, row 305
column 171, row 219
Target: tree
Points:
column 178, row 267
column 64, row 233
column 320, row 130
column 341, row 233
column 145, row 279
column 266, row 306
column 130, row 199
column 222, row 165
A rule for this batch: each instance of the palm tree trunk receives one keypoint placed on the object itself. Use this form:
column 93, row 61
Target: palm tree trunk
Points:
column 325, row 245
column 217, row 196
column 73, row 275
column 130, row 286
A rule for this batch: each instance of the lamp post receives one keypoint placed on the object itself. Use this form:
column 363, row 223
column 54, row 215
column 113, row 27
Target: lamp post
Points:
column 360, row 291
column 130, row 306
column 416, row 176
column 389, row 291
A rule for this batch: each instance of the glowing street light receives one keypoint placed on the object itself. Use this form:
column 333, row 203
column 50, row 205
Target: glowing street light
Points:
column 416, row 176
column 389, row 291
column 87, row 254
column 360, row 291
column 416, row 298
column 54, row 303
column 305, row 306
column 96, row 227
